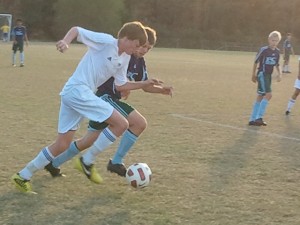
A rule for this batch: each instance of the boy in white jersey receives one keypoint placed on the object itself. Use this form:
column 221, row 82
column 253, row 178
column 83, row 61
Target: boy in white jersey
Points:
column 292, row 101
column 106, row 57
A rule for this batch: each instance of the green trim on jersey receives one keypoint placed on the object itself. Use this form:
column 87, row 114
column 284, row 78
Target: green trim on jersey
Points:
column 122, row 107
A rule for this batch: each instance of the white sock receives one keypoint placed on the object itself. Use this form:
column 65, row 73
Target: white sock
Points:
column 105, row 139
column 38, row 163
column 291, row 103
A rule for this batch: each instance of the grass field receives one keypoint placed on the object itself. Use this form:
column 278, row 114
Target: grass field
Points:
column 208, row 166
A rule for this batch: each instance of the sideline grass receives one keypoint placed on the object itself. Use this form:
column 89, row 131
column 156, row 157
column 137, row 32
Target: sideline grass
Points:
column 204, row 170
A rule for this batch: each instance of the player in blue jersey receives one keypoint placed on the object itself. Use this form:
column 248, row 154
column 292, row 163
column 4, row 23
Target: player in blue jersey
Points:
column 19, row 35
column 137, row 123
column 266, row 59
column 296, row 93
column 287, row 51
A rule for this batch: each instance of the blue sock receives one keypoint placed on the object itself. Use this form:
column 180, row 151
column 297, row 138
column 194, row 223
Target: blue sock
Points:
column 127, row 141
column 262, row 108
column 254, row 111
column 66, row 155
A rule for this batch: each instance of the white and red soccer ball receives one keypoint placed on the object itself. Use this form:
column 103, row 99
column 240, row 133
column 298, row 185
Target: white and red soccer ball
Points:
column 138, row 175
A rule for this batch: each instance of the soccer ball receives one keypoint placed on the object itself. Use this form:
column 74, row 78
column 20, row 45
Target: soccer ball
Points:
column 138, row 175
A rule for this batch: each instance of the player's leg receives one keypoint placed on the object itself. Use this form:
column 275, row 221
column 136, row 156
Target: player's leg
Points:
column 260, row 94
column 137, row 124
column 45, row 156
column 292, row 101
column 265, row 85
column 22, row 55
column 14, row 49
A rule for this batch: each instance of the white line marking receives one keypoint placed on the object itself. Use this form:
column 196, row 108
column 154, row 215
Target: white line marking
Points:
column 236, row 128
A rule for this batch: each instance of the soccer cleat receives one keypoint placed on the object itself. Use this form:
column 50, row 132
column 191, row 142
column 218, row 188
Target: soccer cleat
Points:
column 21, row 184
column 90, row 171
column 252, row 123
column 287, row 112
column 55, row 172
column 260, row 122
column 22, row 65
column 119, row 169
column 14, row 65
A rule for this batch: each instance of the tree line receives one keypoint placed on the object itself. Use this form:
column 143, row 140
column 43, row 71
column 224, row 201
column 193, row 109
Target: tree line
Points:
column 204, row 24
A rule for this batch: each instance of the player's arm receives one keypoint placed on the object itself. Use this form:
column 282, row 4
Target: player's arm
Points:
column 299, row 68
column 26, row 39
column 279, row 75
column 131, row 85
column 165, row 90
column 63, row 44
column 254, row 76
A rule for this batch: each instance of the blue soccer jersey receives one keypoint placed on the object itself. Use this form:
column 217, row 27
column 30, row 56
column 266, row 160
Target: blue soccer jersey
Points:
column 136, row 72
column 19, row 33
column 267, row 59
column 287, row 45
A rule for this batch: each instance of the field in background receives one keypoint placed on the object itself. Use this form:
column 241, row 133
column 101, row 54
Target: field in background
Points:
column 208, row 166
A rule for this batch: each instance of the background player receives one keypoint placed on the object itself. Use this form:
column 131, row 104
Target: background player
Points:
column 266, row 59
column 5, row 32
column 287, row 51
column 292, row 101
column 19, row 35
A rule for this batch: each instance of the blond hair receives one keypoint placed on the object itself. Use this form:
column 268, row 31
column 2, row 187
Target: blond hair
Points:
column 151, row 35
column 275, row 33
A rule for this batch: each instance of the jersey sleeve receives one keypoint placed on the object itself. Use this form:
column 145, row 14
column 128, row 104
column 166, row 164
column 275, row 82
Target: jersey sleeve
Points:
column 259, row 55
column 121, row 75
column 92, row 39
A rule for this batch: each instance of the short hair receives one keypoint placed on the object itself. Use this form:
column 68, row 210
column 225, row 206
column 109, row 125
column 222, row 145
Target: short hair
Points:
column 133, row 31
column 151, row 35
column 275, row 34
column 19, row 20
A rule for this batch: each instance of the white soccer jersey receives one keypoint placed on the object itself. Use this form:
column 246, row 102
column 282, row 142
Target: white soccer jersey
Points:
column 100, row 62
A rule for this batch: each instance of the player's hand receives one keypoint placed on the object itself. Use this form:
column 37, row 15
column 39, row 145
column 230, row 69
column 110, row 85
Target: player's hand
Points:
column 154, row 81
column 254, row 78
column 278, row 78
column 167, row 91
column 62, row 46
column 125, row 94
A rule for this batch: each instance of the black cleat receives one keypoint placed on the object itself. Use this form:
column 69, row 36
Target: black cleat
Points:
column 260, row 122
column 55, row 172
column 252, row 123
column 287, row 112
column 119, row 169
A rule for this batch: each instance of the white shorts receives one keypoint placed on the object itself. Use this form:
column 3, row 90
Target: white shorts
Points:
column 78, row 103
column 297, row 84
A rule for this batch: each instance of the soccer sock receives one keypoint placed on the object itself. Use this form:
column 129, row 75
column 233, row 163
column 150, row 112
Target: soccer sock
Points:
column 290, row 105
column 14, row 58
column 262, row 108
column 22, row 57
column 254, row 111
column 66, row 155
column 105, row 139
column 125, row 145
column 39, row 162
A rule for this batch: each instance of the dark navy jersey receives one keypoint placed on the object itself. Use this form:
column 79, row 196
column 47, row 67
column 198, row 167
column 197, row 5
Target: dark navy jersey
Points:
column 136, row 72
column 267, row 59
column 287, row 45
column 19, row 33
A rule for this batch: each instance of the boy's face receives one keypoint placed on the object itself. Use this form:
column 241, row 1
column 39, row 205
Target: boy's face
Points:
column 19, row 23
column 273, row 42
column 142, row 50
column 130, row 46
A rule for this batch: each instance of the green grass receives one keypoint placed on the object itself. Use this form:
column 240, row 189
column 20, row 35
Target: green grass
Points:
column 208, row 166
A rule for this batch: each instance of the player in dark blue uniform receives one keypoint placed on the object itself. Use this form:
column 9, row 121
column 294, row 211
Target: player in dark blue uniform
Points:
column 266, row 59
column 19, row 35
column 287, row 51
column 137, row 123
